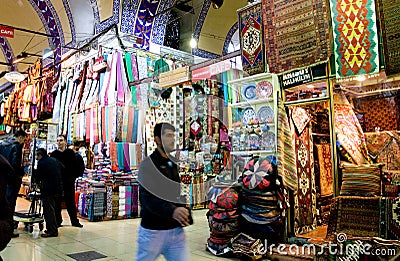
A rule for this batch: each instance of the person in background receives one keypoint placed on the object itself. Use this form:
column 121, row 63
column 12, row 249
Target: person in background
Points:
column 11, row 149
column 162, row 212
column 48, row 173
column 6, row 219
column 70, row 172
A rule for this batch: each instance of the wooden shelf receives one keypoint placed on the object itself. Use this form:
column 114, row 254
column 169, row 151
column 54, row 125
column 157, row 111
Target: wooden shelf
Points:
column 250, row 102
column 246, row 152
column 307, row 101
column 251, row 79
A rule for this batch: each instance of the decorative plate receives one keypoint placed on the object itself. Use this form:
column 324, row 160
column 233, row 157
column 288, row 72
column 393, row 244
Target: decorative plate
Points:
column 253, row 142
column 249, row 92
column 268, row 140
column 265, row 114
column 264, row 89
column 248, row 115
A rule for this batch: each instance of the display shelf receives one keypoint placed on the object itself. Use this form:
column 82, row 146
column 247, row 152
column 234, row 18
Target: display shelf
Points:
column 249, row 103
column 251, row 79
column 246, row 152
column 307, row 101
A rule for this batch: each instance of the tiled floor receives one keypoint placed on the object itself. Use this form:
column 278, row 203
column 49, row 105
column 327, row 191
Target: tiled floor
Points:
column 115, row 239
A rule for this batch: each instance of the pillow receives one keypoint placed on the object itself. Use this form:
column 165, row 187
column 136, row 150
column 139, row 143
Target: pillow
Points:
column 361, row 180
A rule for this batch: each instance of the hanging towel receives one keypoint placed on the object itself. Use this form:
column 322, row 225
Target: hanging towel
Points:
column 127, row 167
column 121, row 157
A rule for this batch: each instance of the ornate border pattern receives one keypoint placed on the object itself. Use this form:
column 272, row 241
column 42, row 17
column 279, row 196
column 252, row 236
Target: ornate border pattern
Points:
column 71, row 22
column 7, row 50
column 102, row 25
column 128, row 16
column 205, row 54
column 144, row 22
column 158, row 32
column 229, row 36
column 201, row 19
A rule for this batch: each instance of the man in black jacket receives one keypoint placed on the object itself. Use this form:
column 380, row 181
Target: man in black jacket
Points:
column 11, row 149
column 162, row 212
column 6, row 219
column 48, row 173
column 70, row 172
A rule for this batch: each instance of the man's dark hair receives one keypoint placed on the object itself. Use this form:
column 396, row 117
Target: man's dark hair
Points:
column 41, row 152
column 63, row 136
column 160, row 128
column 20, row 133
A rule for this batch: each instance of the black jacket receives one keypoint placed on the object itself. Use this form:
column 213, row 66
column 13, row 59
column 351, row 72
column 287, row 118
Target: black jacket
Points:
column 49, row 174
column 71, row 166
column 159, row 192
column 11, row 149
column 6, row 218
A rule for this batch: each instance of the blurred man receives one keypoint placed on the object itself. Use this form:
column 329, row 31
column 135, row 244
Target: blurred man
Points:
column 70, row 172
column 48, row 173
column 11, row 149
column 162, row 212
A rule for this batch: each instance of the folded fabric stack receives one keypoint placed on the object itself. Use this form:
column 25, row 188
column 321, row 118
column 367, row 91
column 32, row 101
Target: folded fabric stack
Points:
column 261, row 199
column 222, row 218
column 245, row 246
column 96, row 210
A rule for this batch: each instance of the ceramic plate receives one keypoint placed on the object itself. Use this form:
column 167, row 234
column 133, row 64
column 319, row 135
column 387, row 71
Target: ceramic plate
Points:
column 264, row 89
column 249, row 92
column 265, row 114
column 248, row 115
column 268, row 140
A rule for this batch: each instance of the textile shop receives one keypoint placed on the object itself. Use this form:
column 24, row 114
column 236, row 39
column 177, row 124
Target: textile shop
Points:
column 297, row 146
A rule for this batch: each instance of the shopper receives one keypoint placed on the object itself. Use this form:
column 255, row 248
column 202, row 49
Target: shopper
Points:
column 6, row 219
column 162, row 212
column 11, row 149
column 48, row 174
column 70, row 172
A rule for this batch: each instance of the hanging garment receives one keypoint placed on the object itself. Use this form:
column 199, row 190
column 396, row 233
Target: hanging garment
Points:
column 126, row 158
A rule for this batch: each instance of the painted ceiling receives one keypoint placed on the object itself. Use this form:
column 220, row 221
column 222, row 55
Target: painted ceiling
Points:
column 70, row 22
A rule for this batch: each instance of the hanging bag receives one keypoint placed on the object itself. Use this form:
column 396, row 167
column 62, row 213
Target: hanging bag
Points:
column 100, row 64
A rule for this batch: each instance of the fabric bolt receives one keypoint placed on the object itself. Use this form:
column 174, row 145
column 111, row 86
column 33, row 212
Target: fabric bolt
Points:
column 389, row 21
column 109, row 201
column 251, row 39
column 135, row 200
column 296, row 33
column 285, row 148
column 356, row 38
column 305, row 195
column 325, row 169
column 350, row 136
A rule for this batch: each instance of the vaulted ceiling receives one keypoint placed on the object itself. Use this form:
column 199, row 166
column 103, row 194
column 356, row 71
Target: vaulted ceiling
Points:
column 73, row 21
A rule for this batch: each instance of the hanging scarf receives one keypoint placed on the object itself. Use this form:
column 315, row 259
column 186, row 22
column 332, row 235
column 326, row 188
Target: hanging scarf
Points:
column 132, row 155
column 129, row 124
column 88, row 129
column 103, row 126
column 135, row 126
column 140, row 127
column 126, row 158
column 120, row 81
column 120, row 153
column 113, row 156
column 95, row 125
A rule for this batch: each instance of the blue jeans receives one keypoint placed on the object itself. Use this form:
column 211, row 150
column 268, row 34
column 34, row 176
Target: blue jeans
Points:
column 170, row 243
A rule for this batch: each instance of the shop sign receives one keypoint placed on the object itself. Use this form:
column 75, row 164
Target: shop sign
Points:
column 174, row 77
column 7, row 31
column 295, row 78
column 42, row 130
column 213, row 69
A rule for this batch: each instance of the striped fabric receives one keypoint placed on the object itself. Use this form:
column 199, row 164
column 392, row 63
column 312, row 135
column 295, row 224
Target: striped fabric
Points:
column 120, row 154
column 361, row 180
column 125, row 123
column 95, row 125
column 114, row 156
column 88, row 130
column 286, row 153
